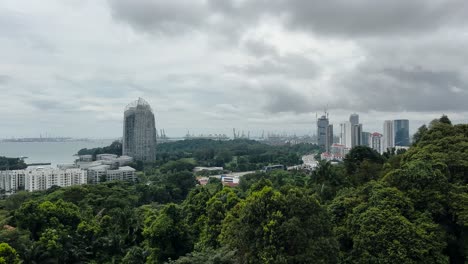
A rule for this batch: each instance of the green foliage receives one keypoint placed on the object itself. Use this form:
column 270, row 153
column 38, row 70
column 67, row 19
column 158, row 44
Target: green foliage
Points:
column 177, row 166
column 12, row 163
column 234, row 155
column 8, row 254
column 167, row 235
column 114, row 148
column 280, row 227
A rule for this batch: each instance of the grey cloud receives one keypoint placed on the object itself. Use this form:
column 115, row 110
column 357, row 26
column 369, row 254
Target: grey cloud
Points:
column 291, row 65
column 399, row 89
column 259, row 48
column 283, row 99
column 46, row 104
column 353, row 18
column 168, row 17
column 368, row 17
column 440, row 79
column 4, row 79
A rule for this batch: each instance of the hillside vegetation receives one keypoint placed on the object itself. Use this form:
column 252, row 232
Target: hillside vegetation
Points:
column 408, row 207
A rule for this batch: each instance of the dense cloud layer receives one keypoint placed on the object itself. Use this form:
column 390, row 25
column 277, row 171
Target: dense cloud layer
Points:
column 209, row 65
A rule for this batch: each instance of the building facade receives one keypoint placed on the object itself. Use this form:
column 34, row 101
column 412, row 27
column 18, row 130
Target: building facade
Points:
column 354, row 119
column 401, row 132
column 12, row 180
column 366, row 139
column 322, row 127
column 388, row 135
column 376, row 142
column 356, row 135
column 139, row 132
column 38, row 179
column 346, row 135
column 329, row 138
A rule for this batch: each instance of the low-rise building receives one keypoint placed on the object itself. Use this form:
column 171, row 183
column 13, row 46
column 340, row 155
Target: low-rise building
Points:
column 11, row 180
column 43, row 178
column 121, row 174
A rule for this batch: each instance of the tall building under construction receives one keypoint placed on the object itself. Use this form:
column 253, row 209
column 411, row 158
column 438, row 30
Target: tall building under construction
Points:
column 139, row 131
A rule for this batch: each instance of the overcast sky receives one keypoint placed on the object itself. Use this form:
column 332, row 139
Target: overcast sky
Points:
column 69, row 67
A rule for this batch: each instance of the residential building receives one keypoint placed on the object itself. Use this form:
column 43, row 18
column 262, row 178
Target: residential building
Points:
column 43, row 178
column 121, row 174
column 97, row 173
column 376, row 142
column 388, row 135
column 139, row 131
column 346, row 136
column 11, row 180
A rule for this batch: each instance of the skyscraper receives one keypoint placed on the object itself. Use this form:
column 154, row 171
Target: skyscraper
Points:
column 322, row 127
column 346, row 136
column 356, row 135
column 376, row 142
column 366, row 139
column 388, row 135
column 352, row 132
column 354, row 119
column 401, row 132
column 329, row 138
column 139, row 132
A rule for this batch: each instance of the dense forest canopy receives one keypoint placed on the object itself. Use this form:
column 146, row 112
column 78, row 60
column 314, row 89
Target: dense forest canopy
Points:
column 407, row 207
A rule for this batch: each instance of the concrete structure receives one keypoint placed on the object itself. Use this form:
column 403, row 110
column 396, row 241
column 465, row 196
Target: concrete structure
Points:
column 97, row 173
column 43, row 178
column 86, row 158
column 121, row 174
column 388, row 135
column 139, row 131
column 401, row 132
column 376, row 142
column 106, row 156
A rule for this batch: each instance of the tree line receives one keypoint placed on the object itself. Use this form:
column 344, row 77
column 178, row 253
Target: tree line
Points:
column 407, row 207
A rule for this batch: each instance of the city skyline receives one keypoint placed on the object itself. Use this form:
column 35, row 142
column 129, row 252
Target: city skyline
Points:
column 208, row 67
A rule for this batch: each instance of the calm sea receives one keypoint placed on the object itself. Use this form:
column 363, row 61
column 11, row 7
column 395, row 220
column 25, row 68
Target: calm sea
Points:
column 45, row 152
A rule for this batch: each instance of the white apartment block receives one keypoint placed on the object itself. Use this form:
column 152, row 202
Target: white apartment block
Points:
column 43, row 178
column 11, row 180
column 388, row 135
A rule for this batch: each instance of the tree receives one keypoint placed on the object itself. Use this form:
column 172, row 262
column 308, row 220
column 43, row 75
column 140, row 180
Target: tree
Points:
column 8, row 254
column 419, row 134
column 445, row 120
column 167, row 236
column 358, row 154
column 378, row 224
column 274, row 227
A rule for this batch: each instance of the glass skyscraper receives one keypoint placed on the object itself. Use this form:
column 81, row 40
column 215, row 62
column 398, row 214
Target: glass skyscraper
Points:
column 401, row 132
